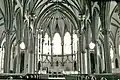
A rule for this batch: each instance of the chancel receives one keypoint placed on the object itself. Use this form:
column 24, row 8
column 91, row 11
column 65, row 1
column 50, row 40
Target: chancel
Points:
column 59, row 39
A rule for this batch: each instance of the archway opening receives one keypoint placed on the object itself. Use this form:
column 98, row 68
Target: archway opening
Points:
column 67, row 43
column 92, row 59
column 57, row 49
column 22, row 62
column 45, row 44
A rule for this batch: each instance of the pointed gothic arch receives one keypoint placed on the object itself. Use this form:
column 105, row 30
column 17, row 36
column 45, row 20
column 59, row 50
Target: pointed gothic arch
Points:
column 67, row 43
column 57, row 49
column 45, row 44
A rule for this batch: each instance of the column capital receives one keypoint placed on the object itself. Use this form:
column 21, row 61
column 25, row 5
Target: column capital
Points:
column 42, row 40
column 34, row 35
column 105, row 31
column 51, row 44
column 87, row 47
column 95, row 41
column 62, row 43
column 79, row 35
column 81, row 17
column 83, row 51
column 8, row 31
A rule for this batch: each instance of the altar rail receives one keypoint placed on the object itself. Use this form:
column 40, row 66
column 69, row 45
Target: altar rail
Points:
column 105, row 76
column 9, row 76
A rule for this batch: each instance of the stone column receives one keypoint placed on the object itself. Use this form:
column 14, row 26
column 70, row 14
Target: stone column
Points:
column 18, row 59
column 30, row 63
column 1, row 58
column 51, row 44
column 96, row 57
column 83, row 62
column 79, row 53
column 26, row 34
column 18, row 50
column 42, row 51
column 31, row 55
column 108, row 67
column 26, row 62
column 80, row 44
column 88, row 60
column 31, row 50
column 7, row 53
column 87, row 49
column 72, row 49
column 105, row 21
column 62, row 44
column 81, row 25
column 95, row 29
column 78, row 60
column 51, row 53
column 36, row 53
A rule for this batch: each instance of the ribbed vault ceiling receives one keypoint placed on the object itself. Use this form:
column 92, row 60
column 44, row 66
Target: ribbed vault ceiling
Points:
column 49, row 15
column 58, row 16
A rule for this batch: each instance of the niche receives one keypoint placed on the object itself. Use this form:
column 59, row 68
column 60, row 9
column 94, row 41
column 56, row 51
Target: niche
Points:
column 75, row 65
column 57, row 63
column 116, row 63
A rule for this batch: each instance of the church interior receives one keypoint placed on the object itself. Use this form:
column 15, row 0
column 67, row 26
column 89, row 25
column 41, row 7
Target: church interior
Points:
column 59, row 39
